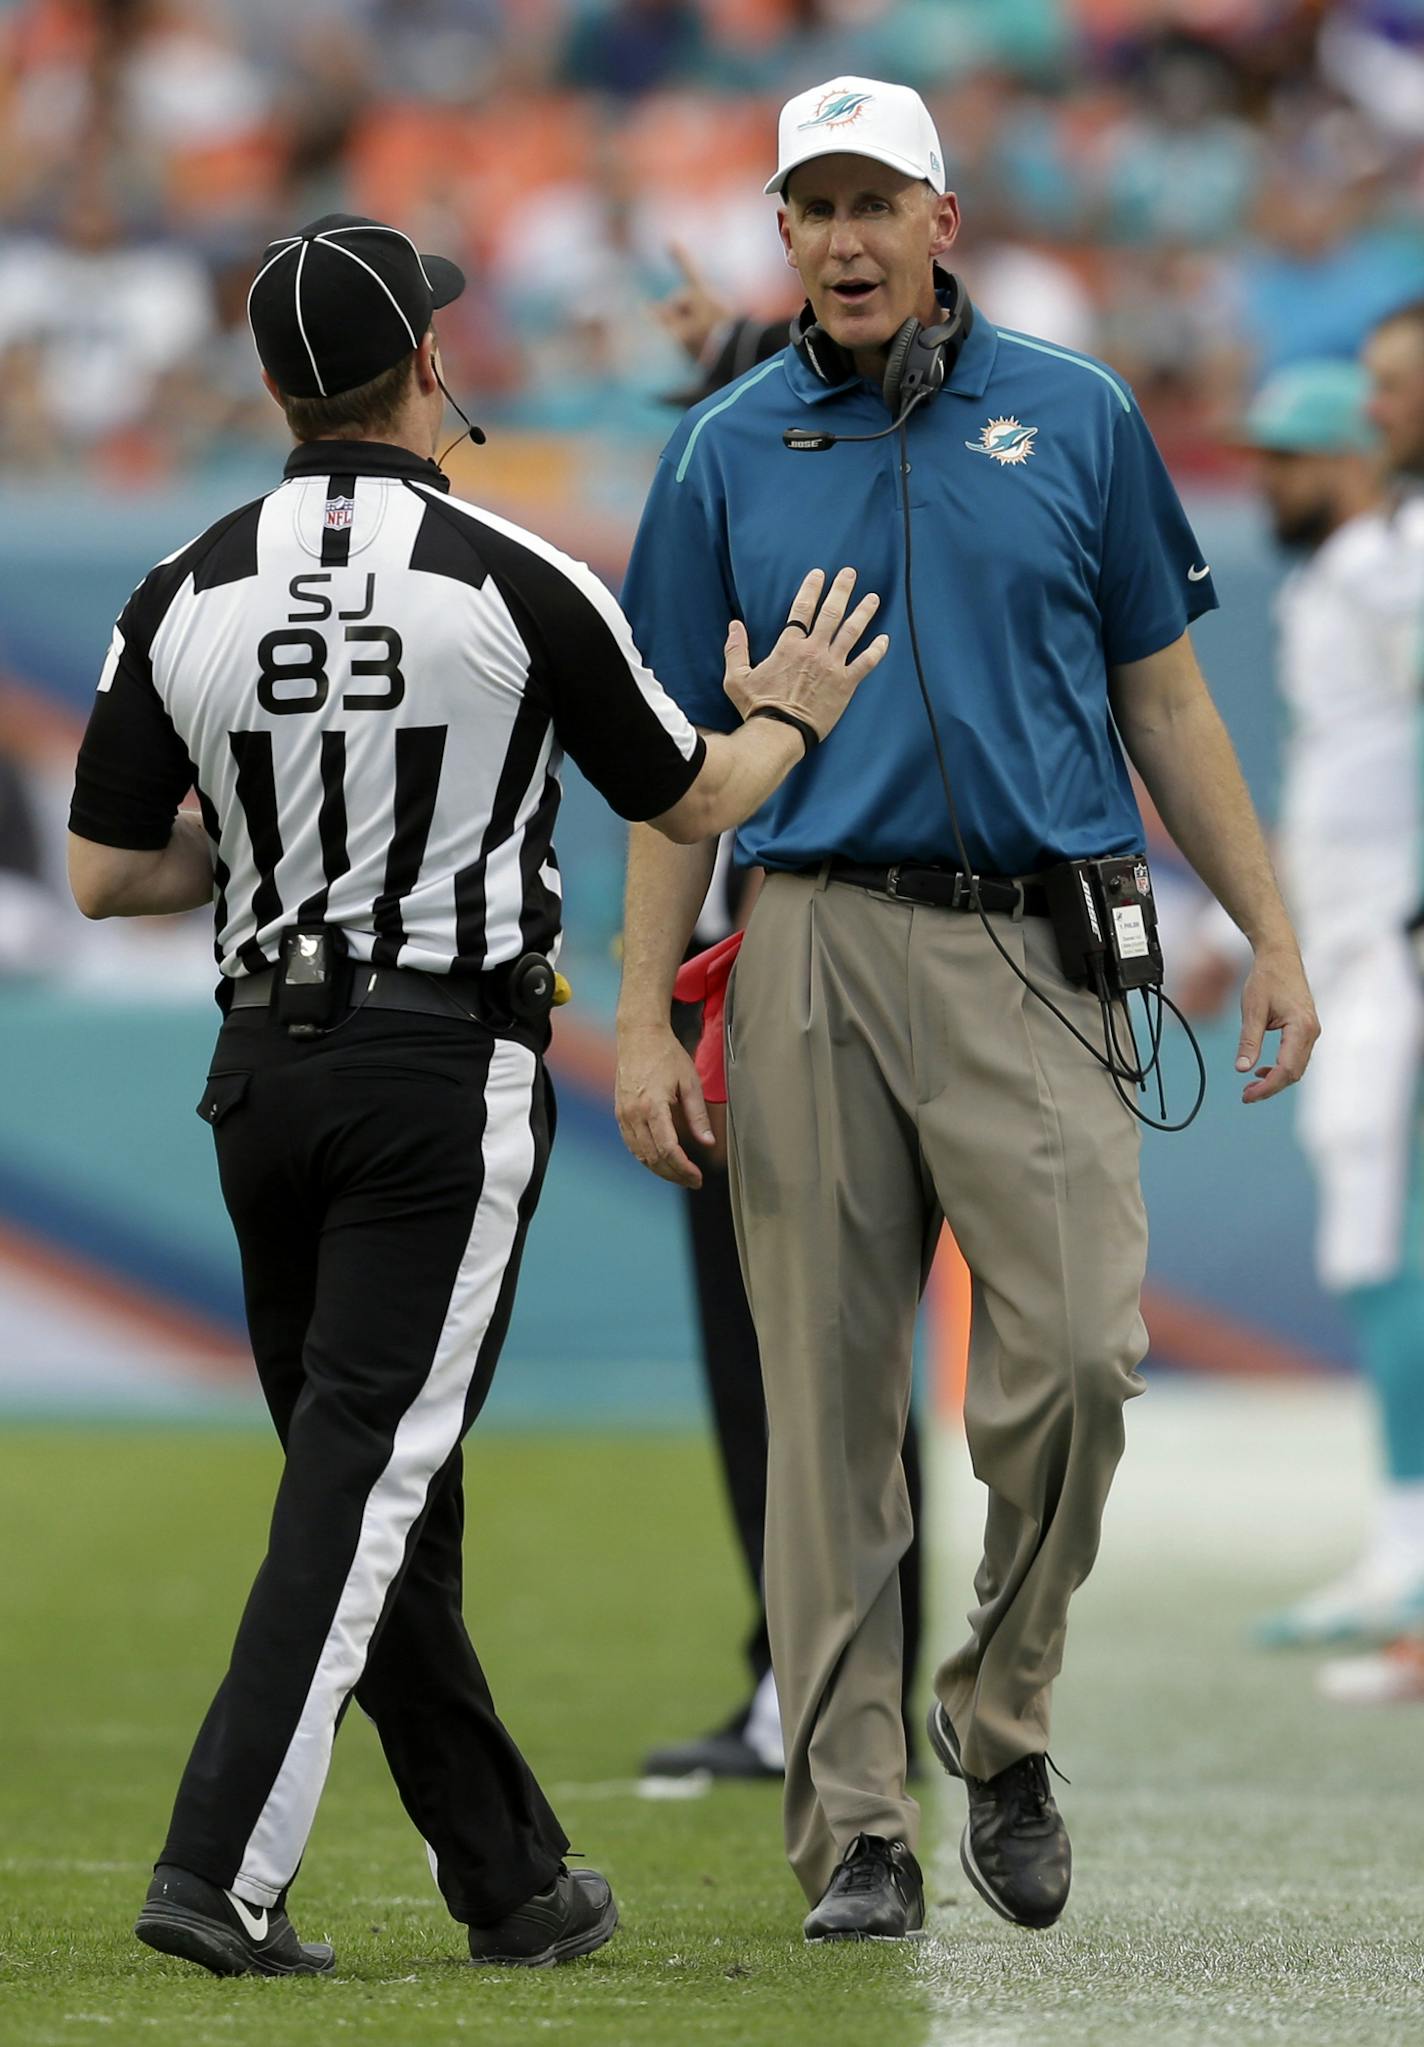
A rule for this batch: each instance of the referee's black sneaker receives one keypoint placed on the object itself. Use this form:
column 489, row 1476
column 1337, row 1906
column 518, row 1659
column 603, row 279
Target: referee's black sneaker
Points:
column 876, row 1892
column 575, row 1915
column 1015, row 1848
column 185, row 1915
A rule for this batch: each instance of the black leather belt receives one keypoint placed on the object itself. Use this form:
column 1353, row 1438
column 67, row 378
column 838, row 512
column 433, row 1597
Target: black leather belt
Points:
column 388, row 988
column 946, row 888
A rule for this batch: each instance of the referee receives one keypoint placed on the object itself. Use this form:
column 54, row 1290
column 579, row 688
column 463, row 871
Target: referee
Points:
column 371, row 688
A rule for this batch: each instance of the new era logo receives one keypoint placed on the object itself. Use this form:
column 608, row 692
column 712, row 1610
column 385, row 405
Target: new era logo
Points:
column 339, row 514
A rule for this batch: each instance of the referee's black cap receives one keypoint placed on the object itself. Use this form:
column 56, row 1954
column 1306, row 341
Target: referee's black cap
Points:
column 342, row 300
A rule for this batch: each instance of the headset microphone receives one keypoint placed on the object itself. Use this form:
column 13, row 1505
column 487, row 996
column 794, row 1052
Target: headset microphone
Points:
column 917, row 363
column 476, row 433
column 805, row 440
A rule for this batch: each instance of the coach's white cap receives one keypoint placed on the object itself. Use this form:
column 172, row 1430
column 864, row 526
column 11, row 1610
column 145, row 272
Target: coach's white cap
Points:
column 859, row 117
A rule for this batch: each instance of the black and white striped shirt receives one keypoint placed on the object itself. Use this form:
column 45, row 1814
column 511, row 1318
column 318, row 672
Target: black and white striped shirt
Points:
column 372, row 687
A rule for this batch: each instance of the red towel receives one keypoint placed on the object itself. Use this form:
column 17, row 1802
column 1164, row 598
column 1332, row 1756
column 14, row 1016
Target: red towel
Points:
column 704, row 979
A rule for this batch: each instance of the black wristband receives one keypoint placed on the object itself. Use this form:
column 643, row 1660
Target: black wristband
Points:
column 808, row 732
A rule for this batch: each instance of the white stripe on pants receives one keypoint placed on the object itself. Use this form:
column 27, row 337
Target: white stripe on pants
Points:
column 427, row 1433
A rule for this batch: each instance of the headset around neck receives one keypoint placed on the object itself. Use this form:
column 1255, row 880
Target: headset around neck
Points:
column 920, row 358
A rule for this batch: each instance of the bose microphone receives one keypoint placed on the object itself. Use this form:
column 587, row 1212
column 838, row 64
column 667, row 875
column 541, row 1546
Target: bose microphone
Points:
column 804, row 440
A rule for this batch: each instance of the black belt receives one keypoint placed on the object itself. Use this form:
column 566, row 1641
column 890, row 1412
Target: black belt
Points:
column 946, row 888
column 471, row 995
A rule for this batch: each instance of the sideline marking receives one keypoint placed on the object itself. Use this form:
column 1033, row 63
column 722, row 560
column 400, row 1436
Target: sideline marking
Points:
column 666, row 1788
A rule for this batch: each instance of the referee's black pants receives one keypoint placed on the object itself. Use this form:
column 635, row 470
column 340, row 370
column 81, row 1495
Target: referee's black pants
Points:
column 380, row 1180
column 731, row 1365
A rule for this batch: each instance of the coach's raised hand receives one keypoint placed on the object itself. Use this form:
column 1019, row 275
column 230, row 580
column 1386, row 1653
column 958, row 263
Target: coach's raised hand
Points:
column 810, row 674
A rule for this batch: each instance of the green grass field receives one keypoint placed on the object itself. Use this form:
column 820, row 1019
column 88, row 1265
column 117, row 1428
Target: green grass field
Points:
column 1250, row 1864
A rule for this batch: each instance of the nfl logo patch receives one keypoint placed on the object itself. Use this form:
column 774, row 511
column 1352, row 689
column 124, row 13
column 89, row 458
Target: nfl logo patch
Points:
column 1142, row 878
column 339, row 514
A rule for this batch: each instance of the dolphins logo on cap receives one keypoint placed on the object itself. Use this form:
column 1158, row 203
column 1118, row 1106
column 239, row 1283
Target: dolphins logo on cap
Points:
column 838, row 109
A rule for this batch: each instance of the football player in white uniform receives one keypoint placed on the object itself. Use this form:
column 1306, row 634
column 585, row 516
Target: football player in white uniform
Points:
column 1350, row 849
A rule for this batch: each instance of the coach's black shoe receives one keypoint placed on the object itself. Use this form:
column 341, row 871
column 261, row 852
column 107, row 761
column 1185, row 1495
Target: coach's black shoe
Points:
column 572, row 1917
column 1015, row 1848
column 875, row 1893
column 185, row 1915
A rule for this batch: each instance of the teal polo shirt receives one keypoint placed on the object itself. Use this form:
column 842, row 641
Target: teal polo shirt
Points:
column 1048, row 544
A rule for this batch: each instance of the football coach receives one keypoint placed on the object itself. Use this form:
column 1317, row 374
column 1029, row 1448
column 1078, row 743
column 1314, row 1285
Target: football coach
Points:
column 371, row 687
column 886, row 1066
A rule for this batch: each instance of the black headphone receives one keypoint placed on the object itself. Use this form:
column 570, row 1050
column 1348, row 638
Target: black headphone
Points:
column 919, row 362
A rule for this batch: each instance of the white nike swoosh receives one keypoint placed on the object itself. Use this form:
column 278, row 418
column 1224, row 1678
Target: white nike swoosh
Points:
column 255, row 1923
column 1196, row 575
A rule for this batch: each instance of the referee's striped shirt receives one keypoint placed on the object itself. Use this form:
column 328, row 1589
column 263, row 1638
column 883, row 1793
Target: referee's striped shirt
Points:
column 372, row 687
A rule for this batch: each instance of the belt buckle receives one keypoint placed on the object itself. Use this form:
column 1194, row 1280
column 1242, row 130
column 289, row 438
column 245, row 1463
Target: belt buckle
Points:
column 892, row 881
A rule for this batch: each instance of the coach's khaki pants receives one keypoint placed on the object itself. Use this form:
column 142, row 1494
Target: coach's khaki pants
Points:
column 886, row 1068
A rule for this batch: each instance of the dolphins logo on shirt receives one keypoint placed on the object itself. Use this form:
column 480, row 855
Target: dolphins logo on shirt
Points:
column 1005, row 440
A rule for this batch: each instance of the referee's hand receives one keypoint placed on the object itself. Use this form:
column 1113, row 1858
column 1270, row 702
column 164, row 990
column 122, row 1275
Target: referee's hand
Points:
column 657, row 1087
column 809, row 673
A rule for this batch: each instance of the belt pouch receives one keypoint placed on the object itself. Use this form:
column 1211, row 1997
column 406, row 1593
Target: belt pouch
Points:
column 313, row 983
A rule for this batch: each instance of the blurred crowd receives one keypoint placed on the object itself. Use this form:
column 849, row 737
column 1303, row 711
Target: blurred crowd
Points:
column 1201, row 190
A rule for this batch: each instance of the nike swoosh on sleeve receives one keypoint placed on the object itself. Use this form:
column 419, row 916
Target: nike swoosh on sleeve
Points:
column 1198, row 575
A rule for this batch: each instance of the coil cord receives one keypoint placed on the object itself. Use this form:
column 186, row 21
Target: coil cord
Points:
column 1124, row 1073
